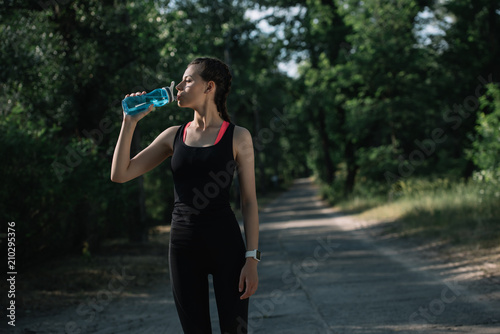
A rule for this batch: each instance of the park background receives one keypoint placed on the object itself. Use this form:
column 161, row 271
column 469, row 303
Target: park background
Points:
column 392, row 106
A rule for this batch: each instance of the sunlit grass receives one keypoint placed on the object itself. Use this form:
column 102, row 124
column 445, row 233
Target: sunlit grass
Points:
column 461, row 213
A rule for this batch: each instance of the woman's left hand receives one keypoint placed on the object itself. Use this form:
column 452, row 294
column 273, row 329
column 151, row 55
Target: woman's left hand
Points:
column 249, row 279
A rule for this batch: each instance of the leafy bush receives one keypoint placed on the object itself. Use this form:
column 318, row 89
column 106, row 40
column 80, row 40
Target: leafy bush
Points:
column 60, row 201
column 486, row 145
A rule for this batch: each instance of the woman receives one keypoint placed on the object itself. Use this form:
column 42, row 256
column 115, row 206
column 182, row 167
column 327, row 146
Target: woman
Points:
column 205, row 236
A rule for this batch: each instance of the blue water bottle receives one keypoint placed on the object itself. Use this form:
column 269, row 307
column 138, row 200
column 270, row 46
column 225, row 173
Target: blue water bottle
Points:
column 133, row 105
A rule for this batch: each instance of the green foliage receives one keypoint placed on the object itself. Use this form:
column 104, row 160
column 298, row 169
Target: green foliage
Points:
column 55, row 210
column 378, row 87
column 485, row 150
column 66, row 67
column 371, row 89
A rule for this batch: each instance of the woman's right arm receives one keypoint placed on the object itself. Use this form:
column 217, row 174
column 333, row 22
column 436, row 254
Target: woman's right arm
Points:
column 123, row 168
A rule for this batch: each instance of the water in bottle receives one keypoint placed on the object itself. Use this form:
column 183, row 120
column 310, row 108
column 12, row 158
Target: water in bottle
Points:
column 133, row 105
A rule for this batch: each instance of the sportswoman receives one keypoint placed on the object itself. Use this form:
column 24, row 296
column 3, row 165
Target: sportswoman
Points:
column 205, row 237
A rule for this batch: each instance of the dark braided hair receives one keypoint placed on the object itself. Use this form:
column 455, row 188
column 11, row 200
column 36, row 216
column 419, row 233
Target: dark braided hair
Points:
column 213, row 69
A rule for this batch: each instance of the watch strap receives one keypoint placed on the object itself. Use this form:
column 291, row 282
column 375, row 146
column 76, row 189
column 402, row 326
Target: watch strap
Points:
column 253, row 254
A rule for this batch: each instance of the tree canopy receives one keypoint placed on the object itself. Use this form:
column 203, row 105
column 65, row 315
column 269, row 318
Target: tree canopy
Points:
column 385, row 90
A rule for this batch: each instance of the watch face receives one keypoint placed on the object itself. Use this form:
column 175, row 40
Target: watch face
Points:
column 258, row 255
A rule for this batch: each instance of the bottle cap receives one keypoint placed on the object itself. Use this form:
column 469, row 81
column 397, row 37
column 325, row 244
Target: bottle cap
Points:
column 170, row 92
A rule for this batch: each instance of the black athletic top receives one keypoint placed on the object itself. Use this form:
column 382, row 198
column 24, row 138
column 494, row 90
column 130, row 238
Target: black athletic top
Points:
column 202, row 179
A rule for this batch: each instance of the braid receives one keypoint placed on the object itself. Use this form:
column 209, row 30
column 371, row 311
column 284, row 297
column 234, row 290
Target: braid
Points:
column 221, row 101
column 217, row 71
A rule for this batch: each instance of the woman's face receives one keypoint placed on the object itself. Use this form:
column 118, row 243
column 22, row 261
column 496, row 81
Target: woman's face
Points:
column 190, row 91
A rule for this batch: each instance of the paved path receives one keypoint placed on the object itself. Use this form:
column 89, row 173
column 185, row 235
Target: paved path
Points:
column 319, row 274
column 323, row 275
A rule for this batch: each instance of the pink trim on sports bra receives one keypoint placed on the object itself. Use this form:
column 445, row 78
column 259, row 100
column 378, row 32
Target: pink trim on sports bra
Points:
column 184, row 133
column 222, row 130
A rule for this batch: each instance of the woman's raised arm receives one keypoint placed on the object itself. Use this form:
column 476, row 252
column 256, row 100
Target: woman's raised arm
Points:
column 123, row 168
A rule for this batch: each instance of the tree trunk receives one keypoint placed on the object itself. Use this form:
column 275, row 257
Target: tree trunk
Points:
column 330, row 169
column 352, row 167
column 494, row 66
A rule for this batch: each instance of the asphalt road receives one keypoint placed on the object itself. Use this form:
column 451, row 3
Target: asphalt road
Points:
column 320, row 273
column 327, row 275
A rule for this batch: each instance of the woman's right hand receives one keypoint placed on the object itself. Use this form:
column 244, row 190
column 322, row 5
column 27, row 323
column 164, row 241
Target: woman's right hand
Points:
column 137, row 117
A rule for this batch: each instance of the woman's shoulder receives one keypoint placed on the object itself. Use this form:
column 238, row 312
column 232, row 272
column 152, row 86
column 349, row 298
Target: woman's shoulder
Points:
column 241, row 133
column 168, row 135
column 170, row 131
column 242, row 139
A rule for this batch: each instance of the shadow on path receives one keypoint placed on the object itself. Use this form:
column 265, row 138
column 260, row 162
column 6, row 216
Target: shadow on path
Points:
column 317, row 276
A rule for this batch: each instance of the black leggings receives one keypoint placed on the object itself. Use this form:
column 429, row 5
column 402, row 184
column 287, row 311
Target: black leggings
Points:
column 197, row 251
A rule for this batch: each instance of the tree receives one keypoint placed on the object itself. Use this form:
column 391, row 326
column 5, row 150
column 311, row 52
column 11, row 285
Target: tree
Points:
column 485, row 152
column 67, row 65
column 468, row 60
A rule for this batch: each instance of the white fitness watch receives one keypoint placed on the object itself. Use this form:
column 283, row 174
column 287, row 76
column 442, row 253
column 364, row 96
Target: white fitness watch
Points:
column 253, row 254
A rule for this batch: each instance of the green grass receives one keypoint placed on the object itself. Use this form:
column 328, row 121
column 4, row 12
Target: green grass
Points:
column 459, row 213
